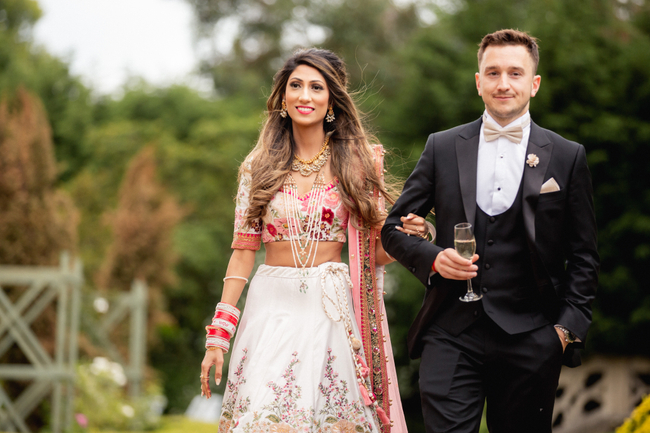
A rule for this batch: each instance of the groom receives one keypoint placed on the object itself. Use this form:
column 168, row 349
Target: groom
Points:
column 527, row 193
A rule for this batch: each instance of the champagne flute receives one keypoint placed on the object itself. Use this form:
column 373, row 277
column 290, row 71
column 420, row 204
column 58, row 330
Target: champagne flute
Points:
column 465, row 246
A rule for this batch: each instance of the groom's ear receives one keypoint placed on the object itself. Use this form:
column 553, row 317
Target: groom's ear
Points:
column 537, row 80
column 478, row 83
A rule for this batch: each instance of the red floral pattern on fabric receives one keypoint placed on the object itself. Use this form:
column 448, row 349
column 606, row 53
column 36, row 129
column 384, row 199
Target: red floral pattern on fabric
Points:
column 275, row 226
column 327, row 216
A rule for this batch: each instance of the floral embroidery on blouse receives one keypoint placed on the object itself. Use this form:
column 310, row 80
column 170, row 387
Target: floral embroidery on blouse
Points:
column 275, row 227
column 284, row 415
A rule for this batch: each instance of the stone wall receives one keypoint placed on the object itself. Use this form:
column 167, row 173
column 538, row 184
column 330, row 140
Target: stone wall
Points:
column 597, row 396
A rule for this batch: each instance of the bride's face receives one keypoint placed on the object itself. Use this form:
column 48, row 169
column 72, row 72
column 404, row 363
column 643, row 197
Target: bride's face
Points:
column 306, row 96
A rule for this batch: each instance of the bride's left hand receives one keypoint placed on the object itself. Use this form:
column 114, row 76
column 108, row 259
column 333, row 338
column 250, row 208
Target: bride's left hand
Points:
column 413, row 224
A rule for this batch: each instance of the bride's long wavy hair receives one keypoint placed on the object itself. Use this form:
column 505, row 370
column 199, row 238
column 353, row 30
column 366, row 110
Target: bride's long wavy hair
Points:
column 351, row 153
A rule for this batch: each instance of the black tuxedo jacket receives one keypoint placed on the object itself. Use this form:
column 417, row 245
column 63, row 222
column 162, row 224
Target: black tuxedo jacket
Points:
column 560, row 226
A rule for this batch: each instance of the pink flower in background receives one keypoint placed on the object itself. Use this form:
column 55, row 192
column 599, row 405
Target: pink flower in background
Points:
column 81, row 420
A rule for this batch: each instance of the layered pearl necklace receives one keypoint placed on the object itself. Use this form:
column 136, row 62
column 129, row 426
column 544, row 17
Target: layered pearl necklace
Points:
column 304, row 228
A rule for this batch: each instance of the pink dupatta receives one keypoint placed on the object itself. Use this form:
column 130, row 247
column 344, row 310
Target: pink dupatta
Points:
column 369, row 311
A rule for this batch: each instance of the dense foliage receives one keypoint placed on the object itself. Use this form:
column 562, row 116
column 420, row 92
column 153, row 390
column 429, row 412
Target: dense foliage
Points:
column 414, row 64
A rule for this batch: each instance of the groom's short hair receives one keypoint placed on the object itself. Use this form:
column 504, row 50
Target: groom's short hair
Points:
column 510, row 37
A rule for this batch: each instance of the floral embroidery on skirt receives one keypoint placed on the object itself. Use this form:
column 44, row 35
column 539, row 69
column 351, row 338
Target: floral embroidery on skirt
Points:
column 291, row 368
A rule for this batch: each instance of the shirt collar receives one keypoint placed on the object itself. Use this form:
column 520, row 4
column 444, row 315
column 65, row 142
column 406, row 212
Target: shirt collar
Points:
column 517, row 121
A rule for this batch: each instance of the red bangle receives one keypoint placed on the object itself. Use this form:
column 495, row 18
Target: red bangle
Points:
column 224, row 315
column 213, row 331
column 219, row 333
column 433, row 266
column 224, row 324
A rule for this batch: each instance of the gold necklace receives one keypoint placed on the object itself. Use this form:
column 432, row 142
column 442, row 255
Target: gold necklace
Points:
column 313, row 165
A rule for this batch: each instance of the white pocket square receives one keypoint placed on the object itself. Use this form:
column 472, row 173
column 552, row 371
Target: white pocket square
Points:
column 550, row 186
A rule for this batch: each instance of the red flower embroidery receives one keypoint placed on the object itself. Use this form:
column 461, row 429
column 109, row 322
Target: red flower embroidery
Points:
column 256, row 226
column 272, row 230
column 328, row 216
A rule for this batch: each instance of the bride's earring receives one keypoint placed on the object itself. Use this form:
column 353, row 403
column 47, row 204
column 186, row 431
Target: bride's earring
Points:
column 330, row 115
column 283, row 111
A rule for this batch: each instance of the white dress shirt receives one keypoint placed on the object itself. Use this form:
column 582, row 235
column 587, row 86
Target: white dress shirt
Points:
column 500, row 167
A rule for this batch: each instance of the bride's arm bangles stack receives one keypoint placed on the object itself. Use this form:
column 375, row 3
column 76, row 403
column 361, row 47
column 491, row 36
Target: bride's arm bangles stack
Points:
column 223, row 327
column 224, row 324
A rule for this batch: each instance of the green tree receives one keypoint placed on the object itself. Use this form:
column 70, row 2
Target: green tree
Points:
column 364, row 32
column 66, row 99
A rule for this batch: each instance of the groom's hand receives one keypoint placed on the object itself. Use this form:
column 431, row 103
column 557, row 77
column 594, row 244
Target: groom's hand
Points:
column 561, row 335
column 452, row 266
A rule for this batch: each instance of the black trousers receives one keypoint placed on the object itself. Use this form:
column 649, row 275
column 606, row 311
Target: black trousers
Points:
column 517, row 375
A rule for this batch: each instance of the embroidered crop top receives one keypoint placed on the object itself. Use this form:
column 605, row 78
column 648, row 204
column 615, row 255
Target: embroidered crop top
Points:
column 274, row 226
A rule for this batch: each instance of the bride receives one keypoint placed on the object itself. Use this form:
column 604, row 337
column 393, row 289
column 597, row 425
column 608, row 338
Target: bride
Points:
column 313, row 352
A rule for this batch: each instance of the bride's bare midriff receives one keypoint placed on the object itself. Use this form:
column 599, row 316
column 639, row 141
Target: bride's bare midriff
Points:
column 279, row 253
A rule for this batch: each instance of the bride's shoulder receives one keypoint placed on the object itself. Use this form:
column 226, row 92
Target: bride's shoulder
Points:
column 246, row 166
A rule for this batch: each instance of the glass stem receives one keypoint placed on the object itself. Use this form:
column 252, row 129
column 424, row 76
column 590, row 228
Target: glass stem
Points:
column 469, row 287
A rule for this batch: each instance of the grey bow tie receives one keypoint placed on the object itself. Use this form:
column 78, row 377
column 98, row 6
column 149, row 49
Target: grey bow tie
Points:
column 513, row 133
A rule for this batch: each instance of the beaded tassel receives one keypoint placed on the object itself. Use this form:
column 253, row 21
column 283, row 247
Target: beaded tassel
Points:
column 340, row 303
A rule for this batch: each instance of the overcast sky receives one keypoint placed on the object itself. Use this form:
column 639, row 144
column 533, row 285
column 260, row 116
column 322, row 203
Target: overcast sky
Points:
column 109, row 40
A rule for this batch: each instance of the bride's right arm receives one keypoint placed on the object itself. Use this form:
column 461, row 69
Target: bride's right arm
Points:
column 240, row 265
column 246, row 242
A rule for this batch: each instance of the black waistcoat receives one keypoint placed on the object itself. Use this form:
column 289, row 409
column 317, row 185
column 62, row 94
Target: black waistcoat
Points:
column 505, row 277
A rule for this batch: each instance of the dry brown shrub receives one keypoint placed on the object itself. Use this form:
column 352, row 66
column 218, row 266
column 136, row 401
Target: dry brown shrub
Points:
column 37, row 221
column 142, row 246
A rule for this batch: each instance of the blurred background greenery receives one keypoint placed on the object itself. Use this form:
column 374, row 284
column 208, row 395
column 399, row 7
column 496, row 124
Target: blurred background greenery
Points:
column 144, row 182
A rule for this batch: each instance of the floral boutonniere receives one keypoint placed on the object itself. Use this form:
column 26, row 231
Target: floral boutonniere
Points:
column 532, row 160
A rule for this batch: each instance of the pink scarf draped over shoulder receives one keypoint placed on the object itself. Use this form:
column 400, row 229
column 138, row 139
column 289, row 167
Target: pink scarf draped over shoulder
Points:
column 370, row 314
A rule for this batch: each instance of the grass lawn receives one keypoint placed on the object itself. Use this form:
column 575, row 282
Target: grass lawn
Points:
column 175, row 424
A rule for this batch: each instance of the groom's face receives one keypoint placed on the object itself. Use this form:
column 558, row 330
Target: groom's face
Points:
column 506, row 81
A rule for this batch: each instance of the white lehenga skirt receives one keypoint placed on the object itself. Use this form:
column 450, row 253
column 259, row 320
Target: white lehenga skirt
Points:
column 291, row 366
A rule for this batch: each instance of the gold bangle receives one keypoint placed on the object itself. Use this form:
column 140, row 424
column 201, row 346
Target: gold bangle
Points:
column 211, row 348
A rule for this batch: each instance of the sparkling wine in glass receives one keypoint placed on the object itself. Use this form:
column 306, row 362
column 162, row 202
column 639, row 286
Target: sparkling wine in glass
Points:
column 465, row 246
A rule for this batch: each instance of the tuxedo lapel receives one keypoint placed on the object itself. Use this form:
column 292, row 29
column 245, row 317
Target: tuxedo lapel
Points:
column 539, row 145
column 467, row 157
